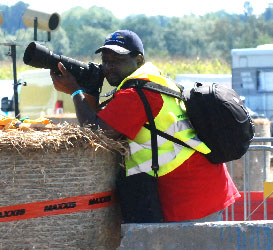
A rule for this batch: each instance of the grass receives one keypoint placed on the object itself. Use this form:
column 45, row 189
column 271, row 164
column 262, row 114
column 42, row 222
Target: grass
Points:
column 6, row 69
column 170, row 67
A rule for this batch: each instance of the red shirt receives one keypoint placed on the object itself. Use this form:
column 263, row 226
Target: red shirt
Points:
column 197, row 188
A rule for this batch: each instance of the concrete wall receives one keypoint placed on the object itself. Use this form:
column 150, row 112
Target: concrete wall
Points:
column 254, row 235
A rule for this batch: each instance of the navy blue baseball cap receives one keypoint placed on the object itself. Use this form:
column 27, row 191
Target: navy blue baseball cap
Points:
column 123, row 42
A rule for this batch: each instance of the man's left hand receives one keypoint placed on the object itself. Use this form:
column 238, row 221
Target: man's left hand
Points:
column 65, row 82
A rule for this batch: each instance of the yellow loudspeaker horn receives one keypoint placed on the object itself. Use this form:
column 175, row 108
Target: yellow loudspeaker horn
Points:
column 45, row 21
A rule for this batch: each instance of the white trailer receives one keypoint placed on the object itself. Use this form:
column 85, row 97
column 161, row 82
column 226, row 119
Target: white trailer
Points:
column 188, row 80
column 37, row 95
column 252, row 77
column 7, row 92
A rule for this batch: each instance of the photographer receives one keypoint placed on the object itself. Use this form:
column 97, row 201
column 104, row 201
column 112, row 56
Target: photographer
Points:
column 189, row 187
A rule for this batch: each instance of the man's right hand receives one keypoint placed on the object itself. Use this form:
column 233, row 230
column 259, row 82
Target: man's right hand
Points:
column 65, row 82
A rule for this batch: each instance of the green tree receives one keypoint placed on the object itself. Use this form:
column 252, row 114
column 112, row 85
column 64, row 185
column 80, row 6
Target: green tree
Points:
column 185, row 37
column 90, row 40
column 251, row 31
column 248, row 10
column 268, row 26
column 60, row 42
column 221, row 38
column 150, row 30
column 268, row 14
column 12, row 17
column 82, row 31
column 77, row 20
column 3, row 49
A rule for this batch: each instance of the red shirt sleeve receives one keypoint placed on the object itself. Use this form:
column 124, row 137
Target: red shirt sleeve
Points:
column 126, row 113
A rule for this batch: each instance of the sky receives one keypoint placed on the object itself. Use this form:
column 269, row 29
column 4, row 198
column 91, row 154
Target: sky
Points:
column 123, row 8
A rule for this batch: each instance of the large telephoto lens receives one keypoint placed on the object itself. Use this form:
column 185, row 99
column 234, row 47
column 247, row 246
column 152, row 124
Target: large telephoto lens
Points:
column 37, row 56
column 89, row 76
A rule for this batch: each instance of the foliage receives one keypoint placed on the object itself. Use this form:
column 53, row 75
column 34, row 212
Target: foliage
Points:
column 268, row 14
column 6, row 69
column 209, row 37
column 12, row 17
column 172, row 67
column 149, row 30
column 185, row 37
column 169, row 66
column 86, row 28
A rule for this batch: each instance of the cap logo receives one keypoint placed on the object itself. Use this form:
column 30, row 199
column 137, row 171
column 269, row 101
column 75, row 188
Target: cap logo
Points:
column 115, row 37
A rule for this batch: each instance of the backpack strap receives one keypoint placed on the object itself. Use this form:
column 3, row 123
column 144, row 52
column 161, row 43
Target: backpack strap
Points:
column 148, row 110
column 168, row 137
column 155, row 87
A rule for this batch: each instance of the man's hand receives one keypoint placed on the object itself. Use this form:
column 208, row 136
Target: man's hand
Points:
column 65, row 82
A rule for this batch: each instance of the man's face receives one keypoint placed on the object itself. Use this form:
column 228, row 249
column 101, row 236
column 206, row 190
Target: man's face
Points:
column 116, row 67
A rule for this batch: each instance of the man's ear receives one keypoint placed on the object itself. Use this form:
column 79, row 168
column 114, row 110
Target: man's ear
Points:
column 140, row 60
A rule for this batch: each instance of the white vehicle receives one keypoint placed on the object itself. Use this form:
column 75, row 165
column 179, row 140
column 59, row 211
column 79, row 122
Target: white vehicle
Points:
column 252, row 77
column 7, row 105
column 38, row 97
column 188, row 80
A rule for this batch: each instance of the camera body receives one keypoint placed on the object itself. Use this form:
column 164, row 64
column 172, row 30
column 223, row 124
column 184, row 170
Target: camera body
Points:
column 89, row 76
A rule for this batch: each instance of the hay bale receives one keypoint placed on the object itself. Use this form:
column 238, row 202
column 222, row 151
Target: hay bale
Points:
column 61, row 118
column 49, row 165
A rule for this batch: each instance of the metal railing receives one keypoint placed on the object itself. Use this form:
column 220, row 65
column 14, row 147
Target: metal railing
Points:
column 246, row 176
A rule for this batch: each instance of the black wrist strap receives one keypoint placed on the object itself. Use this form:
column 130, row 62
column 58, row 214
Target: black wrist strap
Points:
column 150, row 117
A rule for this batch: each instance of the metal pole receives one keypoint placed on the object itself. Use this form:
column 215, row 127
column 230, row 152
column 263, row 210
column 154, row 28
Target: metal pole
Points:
column 245, row 194
column 232, row 206
column 48, row 36
column 226, row 213
column 35, row 28
column 265, row 179
column 262, row 148
column 248, row 185
column 15, row 85
column 262, row 139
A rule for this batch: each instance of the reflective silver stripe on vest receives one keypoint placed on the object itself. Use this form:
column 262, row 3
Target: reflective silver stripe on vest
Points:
column 146, row 166
column 193, row 142
column 180, row 126
column 135, row 147
column 172, row 129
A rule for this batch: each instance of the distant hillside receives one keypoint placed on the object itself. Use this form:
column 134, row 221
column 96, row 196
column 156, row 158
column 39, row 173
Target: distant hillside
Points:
column 83, row 30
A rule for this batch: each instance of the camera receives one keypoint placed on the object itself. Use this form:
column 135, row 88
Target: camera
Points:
column 89, row 76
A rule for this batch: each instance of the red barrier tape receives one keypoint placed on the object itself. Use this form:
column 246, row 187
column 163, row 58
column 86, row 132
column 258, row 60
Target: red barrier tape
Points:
column 54, row 207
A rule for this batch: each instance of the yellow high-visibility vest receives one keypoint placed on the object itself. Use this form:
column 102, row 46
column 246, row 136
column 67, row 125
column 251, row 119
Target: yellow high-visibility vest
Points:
column 171, row 119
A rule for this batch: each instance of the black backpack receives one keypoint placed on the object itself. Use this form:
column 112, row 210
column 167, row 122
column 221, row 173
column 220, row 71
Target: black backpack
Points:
column 216, row 112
